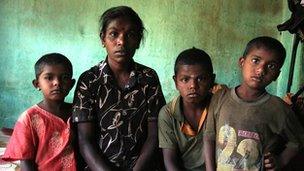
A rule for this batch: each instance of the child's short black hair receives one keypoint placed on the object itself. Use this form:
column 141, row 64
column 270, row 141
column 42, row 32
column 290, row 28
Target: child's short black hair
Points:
column 193, row 56
column 52, row 59
column 121, row 11
column 267, row 43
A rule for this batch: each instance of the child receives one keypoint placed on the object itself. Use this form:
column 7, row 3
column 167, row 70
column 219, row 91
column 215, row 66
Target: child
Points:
column 296, row 102
column 41, row 137
column 246, row 124
column 180, row 121
column 116, row 102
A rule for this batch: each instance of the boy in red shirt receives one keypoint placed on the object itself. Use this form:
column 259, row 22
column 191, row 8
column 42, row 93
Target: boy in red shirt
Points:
column 42, row 134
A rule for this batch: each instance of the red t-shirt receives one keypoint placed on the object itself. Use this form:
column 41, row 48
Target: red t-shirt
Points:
column 44, row 138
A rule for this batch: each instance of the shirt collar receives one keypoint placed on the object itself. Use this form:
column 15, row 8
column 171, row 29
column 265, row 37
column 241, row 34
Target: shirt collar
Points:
column 185, row 127
column 108, row 77
column 177, row 113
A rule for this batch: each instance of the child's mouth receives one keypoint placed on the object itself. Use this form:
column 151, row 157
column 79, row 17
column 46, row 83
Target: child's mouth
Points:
column 56, row 91
column 258, row 79
column 193, row 95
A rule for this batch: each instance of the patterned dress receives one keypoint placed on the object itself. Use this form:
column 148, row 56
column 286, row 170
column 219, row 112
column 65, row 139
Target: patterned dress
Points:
column 121, row 115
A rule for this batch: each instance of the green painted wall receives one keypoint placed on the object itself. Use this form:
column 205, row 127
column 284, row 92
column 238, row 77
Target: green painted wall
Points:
column 31, row 28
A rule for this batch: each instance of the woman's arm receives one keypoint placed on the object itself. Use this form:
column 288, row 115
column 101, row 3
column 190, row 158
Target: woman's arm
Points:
column 89, row 149
column 286, row 156
column 149, row 148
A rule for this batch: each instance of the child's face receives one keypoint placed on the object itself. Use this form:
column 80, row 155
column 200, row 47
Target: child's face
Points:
column 121, row 39
column 55, row 82
column 259, row 68
column 193, row 83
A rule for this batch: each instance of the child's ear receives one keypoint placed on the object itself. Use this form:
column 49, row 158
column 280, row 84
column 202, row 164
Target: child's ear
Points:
column 213, row 78
column 35, row 84
column 277, row 75
column 241, row 61
column 72, row 83
column 212, row 81
column 138, row 44
column 174, row 79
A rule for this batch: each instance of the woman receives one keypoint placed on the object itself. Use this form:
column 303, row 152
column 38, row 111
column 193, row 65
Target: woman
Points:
column 116, row 102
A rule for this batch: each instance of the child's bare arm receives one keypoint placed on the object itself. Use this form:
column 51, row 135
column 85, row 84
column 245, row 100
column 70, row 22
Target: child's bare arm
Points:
column 209, row 154
column 171, row 160
column 272, row 162
column 28, row 165
column 89, row 149
column 286, row 156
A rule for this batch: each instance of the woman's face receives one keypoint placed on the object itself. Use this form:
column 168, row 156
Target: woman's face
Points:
column 121, row 39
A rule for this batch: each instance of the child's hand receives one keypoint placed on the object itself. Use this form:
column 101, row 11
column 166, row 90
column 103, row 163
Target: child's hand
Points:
column 287, row 98
column 270, row 162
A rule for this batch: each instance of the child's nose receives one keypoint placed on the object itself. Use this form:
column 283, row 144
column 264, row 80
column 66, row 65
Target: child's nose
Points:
column 56, row 81
column 193, row 83
column 261, row 70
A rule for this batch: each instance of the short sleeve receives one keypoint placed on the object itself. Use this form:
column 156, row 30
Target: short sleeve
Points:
column 155, row 96
column 23, row 142
column 210, row 125
column 166, row 133
column 83, row 99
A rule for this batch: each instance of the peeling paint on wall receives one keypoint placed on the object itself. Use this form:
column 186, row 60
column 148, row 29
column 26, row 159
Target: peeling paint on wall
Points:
column 34, row 27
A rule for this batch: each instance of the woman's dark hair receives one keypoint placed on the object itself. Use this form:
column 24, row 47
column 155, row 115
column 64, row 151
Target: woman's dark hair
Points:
column 118, row 12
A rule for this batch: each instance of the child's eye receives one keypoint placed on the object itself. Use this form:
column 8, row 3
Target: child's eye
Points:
column 131, row 34
column 65, row 77
column 184, row 80
column 255, row 60
column 201, row 78
column 48, row 78
column 272, row 66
